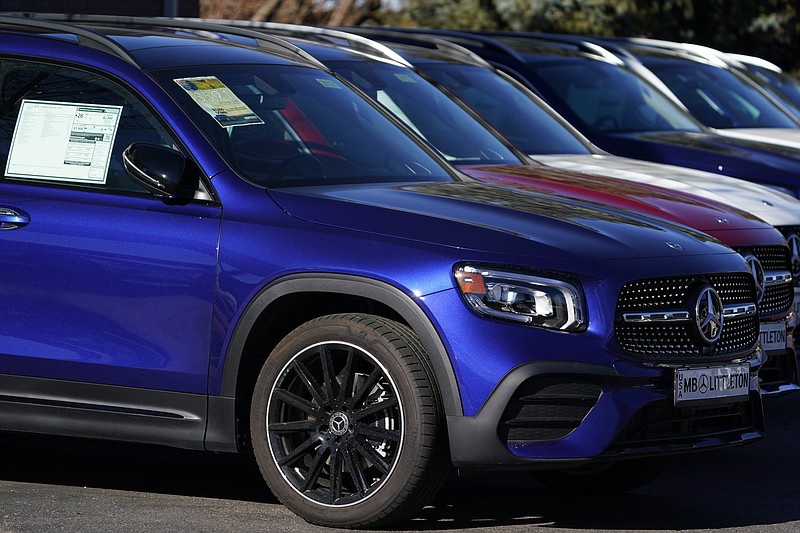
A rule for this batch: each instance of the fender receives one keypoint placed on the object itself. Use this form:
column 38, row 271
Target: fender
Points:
column 221, row 431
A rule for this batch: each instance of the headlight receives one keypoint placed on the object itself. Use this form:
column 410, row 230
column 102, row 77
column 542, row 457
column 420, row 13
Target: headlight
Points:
column 522, row 298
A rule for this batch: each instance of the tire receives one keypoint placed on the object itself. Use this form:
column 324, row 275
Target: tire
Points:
column 346, row 422
column 617, row 476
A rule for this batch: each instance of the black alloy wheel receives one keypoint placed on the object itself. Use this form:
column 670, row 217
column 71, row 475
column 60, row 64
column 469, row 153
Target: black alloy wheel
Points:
column 344, row 422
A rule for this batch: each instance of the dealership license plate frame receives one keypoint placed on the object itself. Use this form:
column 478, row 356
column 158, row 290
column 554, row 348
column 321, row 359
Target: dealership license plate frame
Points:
column 769, row 327
column 711, row 383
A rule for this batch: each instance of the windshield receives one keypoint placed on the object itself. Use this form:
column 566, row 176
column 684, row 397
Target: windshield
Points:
column 609, row 98
column 428, row 111
column 719, row 99
column 507, row 108
column 285, row 126
column 779, row 84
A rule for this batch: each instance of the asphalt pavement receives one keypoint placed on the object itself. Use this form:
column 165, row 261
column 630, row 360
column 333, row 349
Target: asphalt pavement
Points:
column 52, row 485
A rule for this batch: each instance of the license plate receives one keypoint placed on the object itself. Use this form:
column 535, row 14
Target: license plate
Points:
column 693, row 384
column 773, row 336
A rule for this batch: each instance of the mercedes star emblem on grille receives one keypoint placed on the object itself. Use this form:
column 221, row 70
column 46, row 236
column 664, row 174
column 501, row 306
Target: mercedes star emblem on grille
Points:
column 708, row 315
column 758, row 275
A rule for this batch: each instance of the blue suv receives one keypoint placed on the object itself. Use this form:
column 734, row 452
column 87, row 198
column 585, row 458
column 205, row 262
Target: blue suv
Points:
column 218, row 244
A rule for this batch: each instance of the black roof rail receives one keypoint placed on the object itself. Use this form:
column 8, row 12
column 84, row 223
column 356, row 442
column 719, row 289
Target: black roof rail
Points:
column 320, row 34
column 690, row 51
column 587, row 44
column 262, row 40
column 424, row 40
column 464, row 38
column 85, row 36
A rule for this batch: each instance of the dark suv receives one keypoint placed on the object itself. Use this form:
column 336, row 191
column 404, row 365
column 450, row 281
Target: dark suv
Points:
column 219, row 245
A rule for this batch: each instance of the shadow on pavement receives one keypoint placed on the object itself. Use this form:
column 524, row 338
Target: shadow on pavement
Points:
column 732, row 488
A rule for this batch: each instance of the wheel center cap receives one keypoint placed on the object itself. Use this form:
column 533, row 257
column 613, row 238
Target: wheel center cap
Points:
column 339, row 423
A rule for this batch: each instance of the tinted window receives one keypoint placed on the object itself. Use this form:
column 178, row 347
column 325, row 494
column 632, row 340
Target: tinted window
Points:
column 428, row 111
column 288, row 126
column 69, row 127
column 508, row 108
column 718, row 99
column 611, row 99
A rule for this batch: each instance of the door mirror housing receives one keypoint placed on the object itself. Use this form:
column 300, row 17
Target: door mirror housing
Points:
column 157, row 168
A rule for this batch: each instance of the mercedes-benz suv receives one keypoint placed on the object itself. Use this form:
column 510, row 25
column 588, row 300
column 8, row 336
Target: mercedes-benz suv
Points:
column 219, row 245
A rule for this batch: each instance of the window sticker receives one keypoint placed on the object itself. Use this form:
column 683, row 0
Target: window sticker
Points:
column 216, row 99
column 330, row 84
column 63, row 141
column 405, row 78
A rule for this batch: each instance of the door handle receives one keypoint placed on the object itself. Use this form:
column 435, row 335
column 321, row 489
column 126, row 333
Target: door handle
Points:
column 10, row 219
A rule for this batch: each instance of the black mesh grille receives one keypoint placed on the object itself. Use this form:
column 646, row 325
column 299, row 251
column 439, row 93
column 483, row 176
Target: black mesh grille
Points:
column 662, row 423
column 547, row 408
column 666, row 341
column 777, row 299
column 772, row 257
column 734, row 288
column 671, row 293
column 671, row 340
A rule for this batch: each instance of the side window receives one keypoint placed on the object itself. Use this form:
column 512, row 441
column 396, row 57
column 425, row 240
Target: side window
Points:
column 69, row 127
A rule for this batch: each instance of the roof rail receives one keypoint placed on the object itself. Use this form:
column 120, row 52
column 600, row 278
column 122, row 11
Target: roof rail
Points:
column 261, row 40
column 583, row 43
column 330, row 35
column 695, row 52
column 753, row 60
column 85, row 36
column 464, row 38
column 424, row 40
column 258, row 36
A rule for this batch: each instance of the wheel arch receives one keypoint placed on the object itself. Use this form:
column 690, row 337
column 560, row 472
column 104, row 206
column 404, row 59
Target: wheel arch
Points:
column 267, row 319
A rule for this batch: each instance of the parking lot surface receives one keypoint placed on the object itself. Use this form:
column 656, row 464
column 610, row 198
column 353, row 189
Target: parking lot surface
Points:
column 50, row 484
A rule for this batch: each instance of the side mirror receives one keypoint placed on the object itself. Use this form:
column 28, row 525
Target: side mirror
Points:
column 157, row 168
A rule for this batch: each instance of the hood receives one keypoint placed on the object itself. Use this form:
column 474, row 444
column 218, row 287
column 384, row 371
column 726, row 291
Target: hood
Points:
column 730, row 225
column 770, row 205
column 780, row 136
column 472, row 216
column 761, row 162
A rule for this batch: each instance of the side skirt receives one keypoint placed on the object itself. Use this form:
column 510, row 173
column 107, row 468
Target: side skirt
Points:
column 55, row 407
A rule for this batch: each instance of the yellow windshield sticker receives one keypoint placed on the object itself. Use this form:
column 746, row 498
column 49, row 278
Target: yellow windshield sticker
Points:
column 216, row 99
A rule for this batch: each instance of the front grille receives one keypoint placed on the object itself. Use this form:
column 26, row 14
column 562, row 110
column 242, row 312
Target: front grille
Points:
column 547, row 408
column 791, row 232
column 663, row 423
column 671, row 293
column 772, row 257
column 777, row 299
column 666, row 341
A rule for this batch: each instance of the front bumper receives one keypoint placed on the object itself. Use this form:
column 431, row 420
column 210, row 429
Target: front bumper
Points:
column 779, row 373
column 550, row 414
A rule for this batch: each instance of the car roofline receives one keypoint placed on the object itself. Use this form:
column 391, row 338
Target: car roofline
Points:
column 454, row 51
column 84, row 36
column 320, row 34
column 262, row 40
